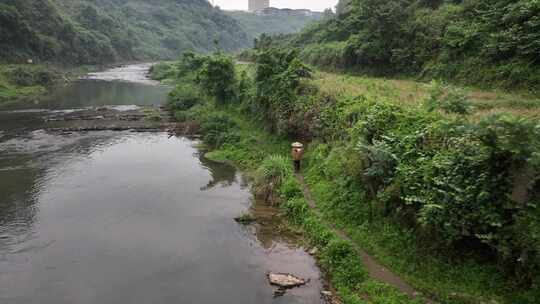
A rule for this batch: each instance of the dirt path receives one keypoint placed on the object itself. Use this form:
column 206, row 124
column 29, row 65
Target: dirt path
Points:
column 375, row 270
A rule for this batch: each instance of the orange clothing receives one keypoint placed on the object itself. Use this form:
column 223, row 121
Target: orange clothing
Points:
column 297, row 153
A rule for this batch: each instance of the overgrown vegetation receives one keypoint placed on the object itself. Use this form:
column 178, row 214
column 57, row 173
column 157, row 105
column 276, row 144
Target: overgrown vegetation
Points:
column 486, row 42
column 90, row 32
column 445, row 198
column 274, row 21
column 26, row 81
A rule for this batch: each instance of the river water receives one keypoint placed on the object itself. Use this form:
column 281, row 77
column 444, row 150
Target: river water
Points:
column 119, row 217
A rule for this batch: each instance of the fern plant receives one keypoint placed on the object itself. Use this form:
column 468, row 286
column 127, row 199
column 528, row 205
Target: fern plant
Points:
column 272, row 173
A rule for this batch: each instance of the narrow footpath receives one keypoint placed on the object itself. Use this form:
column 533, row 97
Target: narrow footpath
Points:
column 375, row 270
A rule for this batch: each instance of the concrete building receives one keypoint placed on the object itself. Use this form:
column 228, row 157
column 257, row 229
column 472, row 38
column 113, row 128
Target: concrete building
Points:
column 255, row 5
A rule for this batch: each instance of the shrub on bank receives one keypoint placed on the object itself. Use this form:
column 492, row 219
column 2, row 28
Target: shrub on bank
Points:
column 162, row 71
column 184, row 97
column 27, row 76
column 271, row 174
column 217, row 77
column 218, row 129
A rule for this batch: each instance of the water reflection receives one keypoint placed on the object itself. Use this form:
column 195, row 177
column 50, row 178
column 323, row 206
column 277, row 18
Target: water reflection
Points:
column 27, row 163
column 222, row 174
column 119, row 217
column 98, row 93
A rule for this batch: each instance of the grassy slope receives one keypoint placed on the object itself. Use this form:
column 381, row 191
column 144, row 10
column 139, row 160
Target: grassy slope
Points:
column 448, row 280
column 410, row 92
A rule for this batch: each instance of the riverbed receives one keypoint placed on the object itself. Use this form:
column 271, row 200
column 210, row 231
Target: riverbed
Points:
column 125, row 217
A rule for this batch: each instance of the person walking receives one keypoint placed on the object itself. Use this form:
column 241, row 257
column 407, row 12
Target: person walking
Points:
column 297, row 154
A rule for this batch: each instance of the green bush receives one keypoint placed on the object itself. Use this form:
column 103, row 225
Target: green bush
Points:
column 278, row 78
column 447, row 98
column 184, row 97
column 182, row 116
column 296, row 210
column 274, row 169
column 327, row 55
column 162, row 71
column 342, row 260
column 290, row 188
column 26, row 76
column 217, row 76
column 218, row 129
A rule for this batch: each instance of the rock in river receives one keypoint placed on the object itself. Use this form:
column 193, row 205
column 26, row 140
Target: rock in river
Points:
column 285, row 280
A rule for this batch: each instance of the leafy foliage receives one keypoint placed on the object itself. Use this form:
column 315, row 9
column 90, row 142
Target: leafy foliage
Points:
column 26, row 81
column 489, row 42
column 277, row 81
column 275, row 169
column 218, row 130
column 447, row 98
column 217, row 76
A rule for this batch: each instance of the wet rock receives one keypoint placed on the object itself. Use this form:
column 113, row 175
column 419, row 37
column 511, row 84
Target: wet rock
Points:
column 326, row 293
column 285, row 280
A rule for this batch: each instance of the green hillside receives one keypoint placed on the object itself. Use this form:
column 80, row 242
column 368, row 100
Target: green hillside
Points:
column 486, row 42
column 95, row 31
column 274, row 21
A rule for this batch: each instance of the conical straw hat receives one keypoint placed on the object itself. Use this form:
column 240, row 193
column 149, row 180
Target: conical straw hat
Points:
column 297, row 145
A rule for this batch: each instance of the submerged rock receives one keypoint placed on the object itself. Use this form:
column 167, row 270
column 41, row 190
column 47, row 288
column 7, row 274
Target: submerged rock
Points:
column 245, row 219
column 285, row 280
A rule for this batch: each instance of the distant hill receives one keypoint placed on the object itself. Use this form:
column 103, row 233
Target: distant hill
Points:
column 96, row 31
column 274, row 21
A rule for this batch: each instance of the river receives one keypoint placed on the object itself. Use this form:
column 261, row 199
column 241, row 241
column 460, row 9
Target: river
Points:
column 123, row 217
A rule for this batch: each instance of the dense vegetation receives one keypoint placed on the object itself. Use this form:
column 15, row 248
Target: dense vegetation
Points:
column 97, row 31
column 447, row 199
column 30, row 82
column 274, row 21
column 487, row 42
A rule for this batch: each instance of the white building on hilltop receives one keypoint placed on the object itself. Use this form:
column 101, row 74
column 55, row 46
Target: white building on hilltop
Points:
column 255, row 5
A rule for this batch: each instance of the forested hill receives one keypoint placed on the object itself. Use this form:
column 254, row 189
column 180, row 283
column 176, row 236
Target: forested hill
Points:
column 96, row 31
column 491, row 42
column 274, row 20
